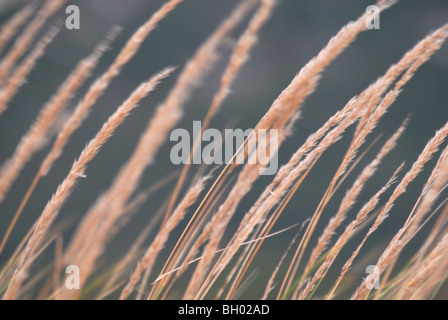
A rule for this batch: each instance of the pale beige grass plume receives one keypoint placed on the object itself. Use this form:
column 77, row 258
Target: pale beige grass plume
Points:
column 27, row 36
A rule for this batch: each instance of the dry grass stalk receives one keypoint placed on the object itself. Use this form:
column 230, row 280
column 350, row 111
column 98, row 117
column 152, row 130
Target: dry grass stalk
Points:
column 348, row 233
column 157, row 245
column 137, row 248
column 32, row 141
column 412, row 58
column 288, row 102
column 21, row 72
column 188, row 241
column 411, row 61
column 241, row 10
column 436, row 278
column 36, row 135
column 77, row 171
column 438, row 274
column 241, row 267
column 423, row 51
column 333, row 136
column 437, row 169
column 393, row 248
column 395, row 70
column 249, row 222
column 360, row 218
column 434, row 186
column 26, row 38
column 100, row 85
column 97, row 89
column 436, row 232
column 82, row 250
column 10, row 28
column 270, row 284
column 428, row 267
column 307, row 146
column 439, row 225
column 214, row 230
column 239, row 56
column 255, row 216
column 350, row 197
column 299, row 88
column 225, row 212
column 237, row 60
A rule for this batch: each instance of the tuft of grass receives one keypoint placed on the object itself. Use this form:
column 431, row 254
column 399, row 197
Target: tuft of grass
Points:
column 203, row 241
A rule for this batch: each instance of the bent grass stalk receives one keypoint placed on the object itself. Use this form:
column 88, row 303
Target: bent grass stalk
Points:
column 35, row 136
column 77, row 171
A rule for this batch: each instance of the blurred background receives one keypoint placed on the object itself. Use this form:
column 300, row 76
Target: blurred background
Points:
column 297, row 31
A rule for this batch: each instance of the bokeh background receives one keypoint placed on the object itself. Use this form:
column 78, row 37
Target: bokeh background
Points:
column 296, row 32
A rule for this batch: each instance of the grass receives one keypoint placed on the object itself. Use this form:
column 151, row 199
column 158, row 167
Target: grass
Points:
column 201, row 242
